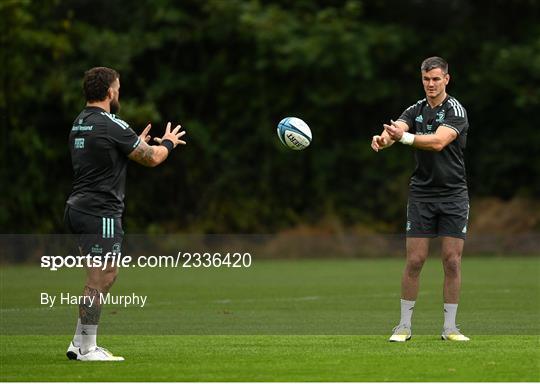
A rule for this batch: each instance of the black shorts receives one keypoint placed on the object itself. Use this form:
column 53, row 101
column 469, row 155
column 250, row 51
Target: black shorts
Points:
column 94, row 235
column 431, row 219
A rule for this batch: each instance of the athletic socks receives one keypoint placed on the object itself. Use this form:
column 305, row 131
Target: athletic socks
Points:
column 88, row 337
column 407, row 307
column 77, row 338
column 450, row 311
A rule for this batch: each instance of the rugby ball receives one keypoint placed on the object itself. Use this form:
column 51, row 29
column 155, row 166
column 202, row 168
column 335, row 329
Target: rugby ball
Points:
column 294, row 133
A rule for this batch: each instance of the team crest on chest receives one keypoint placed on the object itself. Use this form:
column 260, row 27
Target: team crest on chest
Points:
column 440, row 116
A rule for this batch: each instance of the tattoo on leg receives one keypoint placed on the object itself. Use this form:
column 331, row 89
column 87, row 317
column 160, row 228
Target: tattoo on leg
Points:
column 90, row 308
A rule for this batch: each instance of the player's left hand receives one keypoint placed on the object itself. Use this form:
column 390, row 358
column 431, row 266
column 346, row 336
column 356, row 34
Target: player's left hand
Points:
column 144, row 135
column 393, row 130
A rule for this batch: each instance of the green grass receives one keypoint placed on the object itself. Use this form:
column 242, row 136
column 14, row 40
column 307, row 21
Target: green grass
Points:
column 278, row 358
column 308, row 320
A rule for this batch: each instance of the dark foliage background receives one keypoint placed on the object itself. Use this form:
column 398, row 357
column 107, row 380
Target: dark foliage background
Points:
column 229, row 70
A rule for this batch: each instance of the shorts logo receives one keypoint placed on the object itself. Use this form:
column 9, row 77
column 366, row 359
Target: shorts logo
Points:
column 408, row 226
column 116, row 248
column 79, row 143
column 465, row 227
column 96, row 249
column 108, row 227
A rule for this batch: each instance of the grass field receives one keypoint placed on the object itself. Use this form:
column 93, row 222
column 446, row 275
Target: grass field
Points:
column 308, row 320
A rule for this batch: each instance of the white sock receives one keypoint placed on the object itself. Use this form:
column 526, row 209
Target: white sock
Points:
column 407, row 307
column 450, row 311
column 77, row 338
column 88, row 337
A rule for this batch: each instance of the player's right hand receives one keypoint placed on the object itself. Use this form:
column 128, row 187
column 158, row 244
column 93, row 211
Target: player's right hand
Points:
column 379, row 142
column 174, row 135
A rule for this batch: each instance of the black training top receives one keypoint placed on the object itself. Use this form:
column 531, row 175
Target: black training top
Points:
column 99, row 143
column 438, row 176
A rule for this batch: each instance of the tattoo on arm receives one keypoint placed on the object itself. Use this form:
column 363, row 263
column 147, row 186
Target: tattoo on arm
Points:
column 143, row 154
column 90, row 308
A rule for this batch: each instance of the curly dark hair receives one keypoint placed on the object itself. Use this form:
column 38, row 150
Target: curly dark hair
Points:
column 97, row 82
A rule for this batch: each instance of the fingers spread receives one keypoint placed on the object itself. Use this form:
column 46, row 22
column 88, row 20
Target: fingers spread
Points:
column 176, row 129
column 180, row 134
column 168, row 128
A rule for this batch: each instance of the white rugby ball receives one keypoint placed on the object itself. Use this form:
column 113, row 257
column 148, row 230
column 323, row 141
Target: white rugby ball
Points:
column 294, row 133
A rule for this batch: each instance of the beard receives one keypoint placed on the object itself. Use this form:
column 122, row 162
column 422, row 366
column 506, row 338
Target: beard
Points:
column 114, row 106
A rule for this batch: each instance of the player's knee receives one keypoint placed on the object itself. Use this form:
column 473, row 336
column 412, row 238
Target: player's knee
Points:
column 452, row 264
column 93, row 281
column 414, row 266
column 108, row 280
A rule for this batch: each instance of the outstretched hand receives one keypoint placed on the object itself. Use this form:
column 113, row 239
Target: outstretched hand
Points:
column 174, row 135
column 144, row 135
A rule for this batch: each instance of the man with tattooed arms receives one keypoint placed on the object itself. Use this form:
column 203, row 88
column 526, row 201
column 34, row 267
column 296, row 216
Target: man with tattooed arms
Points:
column 101, row 144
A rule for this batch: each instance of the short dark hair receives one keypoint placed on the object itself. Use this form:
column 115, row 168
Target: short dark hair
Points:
column 434, row 62
column 97, row 82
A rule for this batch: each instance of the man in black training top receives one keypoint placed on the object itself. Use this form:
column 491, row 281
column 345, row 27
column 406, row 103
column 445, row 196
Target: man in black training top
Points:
column 438, row 205
column 100, row 145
